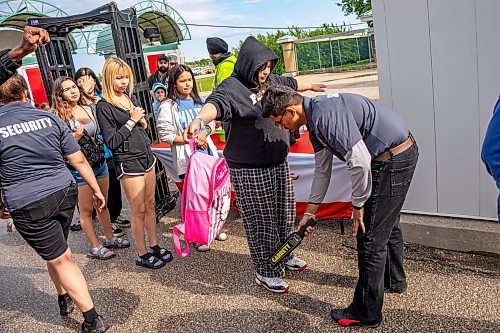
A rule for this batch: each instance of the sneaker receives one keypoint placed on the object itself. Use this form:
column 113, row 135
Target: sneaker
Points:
column 344, row 317
column 101, row 253
column 66, row 304
column 274, row 285
column 221, row 237
column 202, row 248
column 395, row 290
column 296, row 264
column 116, row 243
column 75, row 226
column 122, row 223
column 161, row 253
column 117, row 231
column 98, row 326
column 150, row 261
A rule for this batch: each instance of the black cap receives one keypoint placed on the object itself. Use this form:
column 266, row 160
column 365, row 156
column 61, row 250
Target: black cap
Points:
column 162, row 57
column 216, row 45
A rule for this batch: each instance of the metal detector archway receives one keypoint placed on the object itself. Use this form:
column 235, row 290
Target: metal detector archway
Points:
column 55, row 60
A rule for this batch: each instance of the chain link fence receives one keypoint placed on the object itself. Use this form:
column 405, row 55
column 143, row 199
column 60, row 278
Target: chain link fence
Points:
column 332, row 53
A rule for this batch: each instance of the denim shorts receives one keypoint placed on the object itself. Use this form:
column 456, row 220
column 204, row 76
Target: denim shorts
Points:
column 99, row 172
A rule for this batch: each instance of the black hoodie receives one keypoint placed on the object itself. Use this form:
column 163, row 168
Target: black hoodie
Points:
column 253, row 141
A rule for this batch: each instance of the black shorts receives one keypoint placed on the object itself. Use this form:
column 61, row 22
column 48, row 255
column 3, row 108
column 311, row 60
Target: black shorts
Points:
column 136, row 167
column 44, row 224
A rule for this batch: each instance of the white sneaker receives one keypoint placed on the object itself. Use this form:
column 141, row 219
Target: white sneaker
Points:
column 274, row 285
column 221, row 237
column 296, row 264
column 202, row 248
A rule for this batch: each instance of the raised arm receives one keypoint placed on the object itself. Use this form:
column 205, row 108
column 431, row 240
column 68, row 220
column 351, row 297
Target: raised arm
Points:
column 303, row 86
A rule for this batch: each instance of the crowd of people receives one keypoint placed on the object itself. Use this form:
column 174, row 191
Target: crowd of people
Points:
column 94, row 142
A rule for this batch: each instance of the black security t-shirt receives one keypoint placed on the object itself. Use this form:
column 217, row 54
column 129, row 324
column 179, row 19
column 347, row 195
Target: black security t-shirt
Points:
column 33, row 144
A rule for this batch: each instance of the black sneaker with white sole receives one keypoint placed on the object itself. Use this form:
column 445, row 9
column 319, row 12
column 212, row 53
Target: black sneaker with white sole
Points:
column 75, row 226
column 97, row 326
column 117, row 231
column 274, row 285
column 121, row 222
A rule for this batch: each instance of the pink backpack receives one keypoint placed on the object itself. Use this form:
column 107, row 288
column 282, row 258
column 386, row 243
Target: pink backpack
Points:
column 206, row 200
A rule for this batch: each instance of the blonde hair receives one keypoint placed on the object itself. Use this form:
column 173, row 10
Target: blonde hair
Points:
column 111, row 67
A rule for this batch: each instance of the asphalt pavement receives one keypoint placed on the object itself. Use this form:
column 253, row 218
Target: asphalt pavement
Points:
column 215, row 291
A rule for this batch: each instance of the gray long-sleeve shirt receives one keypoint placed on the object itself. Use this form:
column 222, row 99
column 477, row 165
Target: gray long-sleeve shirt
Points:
column 356, row 130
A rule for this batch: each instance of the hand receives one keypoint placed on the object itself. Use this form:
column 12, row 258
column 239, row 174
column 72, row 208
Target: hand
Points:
column 99, row 201
column 4, row 214
column 136, row 114
column 202, row 140
column 302, row 222
column 357, row 216
column 78, row 132
column 144, row 123
column 32, row 38
column 191, row 130
column 318, row 87
column 87, row 84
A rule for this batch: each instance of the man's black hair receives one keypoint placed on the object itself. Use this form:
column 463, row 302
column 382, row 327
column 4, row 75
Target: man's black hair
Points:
column 277, row 98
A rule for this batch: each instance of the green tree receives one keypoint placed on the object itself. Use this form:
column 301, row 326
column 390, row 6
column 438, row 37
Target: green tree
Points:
column 270, row 39
column 200, row 63
column 357, row 7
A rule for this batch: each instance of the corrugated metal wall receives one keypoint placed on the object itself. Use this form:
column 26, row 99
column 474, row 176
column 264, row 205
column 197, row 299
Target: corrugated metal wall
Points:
column 438, row 63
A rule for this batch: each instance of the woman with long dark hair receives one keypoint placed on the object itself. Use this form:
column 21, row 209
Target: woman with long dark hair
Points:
column 182, row 106
column 91, row 90
column 83, row 123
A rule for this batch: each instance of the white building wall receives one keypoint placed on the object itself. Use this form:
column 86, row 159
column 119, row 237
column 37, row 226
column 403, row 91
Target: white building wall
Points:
column 439, row 69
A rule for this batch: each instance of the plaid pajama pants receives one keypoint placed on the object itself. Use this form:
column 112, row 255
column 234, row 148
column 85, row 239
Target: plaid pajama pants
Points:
column 266, row 201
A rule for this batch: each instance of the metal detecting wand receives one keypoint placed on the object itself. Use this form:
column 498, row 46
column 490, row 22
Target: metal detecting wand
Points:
column 291, row 243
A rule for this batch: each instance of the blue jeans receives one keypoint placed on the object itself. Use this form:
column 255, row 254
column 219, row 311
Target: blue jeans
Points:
column 100, row 171
column 498, row 207
column 380, row 248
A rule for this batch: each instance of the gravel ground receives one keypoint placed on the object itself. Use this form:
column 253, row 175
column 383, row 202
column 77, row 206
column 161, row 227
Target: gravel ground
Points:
column 215, row 291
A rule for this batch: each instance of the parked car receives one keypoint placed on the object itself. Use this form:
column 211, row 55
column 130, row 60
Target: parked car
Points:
column 197, row 70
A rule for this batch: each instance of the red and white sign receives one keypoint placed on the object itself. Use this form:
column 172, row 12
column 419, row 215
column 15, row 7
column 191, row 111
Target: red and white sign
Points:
column 337, row 202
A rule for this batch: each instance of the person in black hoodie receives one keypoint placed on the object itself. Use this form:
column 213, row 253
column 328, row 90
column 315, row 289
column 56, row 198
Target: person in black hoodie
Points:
column 123, row 127
column 256, row 151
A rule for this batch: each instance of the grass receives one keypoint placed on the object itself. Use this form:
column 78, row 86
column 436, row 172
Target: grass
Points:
column 205, row 84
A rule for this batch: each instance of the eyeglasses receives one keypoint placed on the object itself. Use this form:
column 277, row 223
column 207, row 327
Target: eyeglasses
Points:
column 279, row 122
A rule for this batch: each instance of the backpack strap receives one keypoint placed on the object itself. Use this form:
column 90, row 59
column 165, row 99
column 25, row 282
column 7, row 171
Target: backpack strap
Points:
column 177, row 243
column 192, row 146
